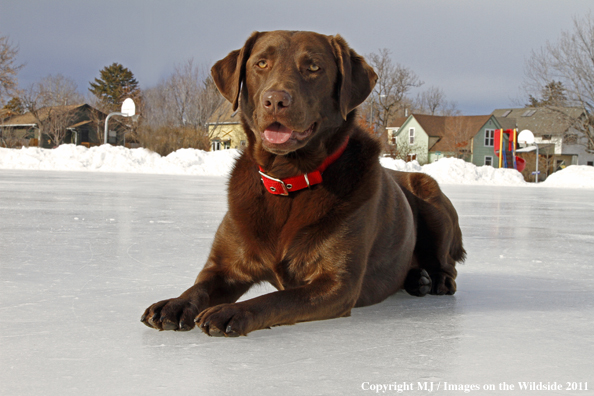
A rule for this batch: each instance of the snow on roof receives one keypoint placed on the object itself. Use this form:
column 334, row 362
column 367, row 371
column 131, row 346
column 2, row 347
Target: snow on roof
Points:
column 107, row 158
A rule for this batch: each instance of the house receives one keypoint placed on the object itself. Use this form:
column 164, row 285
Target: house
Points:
column 74, row 124
column 225, row 130
column 483, row 142
column 428, row 138
column 556, row 131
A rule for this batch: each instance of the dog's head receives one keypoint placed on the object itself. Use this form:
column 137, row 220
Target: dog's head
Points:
column 293, row 86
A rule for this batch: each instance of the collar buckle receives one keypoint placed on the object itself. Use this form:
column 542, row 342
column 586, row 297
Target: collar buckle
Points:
column 273, row 189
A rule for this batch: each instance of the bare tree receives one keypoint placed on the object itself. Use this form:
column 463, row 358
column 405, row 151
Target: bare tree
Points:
column 8, row 69
column 186, row 98
column 13, row 137
column 56, row 123
column 51, row 102
column 570, row 62
column 433, row 102
column 57, row 90
column 179, row 106
column 394, row 82
column 460, row 132
column 405, row 152
column 430, row 100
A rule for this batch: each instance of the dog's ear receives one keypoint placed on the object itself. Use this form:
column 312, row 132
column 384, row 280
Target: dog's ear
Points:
column 229, row 73
column 356, row 77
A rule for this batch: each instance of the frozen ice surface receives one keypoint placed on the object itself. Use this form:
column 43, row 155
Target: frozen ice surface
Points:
column 83, row 254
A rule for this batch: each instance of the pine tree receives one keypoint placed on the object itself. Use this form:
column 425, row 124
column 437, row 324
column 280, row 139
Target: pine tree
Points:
column 552, row 94
column 115, row 84
column 14, row 106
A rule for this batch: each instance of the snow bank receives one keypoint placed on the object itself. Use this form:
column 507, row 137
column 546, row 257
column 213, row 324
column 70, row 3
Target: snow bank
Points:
column 108, row 158
column 457, row 171
column 574, row 176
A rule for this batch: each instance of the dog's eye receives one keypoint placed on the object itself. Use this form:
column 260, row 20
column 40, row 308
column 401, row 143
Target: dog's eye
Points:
column 313, row 68
column 262, row 64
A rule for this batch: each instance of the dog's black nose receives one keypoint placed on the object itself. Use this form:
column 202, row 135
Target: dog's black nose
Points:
column 276, row 101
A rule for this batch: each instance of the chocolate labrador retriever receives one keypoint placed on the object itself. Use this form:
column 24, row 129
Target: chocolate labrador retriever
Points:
column 311, row 210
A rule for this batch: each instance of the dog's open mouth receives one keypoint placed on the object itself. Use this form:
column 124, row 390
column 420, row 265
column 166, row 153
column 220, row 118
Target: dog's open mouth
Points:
column 277, row 133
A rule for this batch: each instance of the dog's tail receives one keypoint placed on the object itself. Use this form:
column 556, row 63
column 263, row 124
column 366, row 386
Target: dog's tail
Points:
column 457, row 251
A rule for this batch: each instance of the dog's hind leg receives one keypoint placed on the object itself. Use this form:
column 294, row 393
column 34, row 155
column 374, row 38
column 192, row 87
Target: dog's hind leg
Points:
column 442, row 281
column 418, row 282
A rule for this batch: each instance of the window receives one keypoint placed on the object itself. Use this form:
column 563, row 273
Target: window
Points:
column 411, row 157
column 546, row 137
column 506, row 113
column 529, row 113
column 489, row 137
column 489, row 160
column 216, row 145
column 590, row 163
column 411, row 136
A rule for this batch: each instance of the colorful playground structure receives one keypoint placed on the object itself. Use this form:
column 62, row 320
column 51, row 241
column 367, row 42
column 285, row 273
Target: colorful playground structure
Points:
column 506, row 151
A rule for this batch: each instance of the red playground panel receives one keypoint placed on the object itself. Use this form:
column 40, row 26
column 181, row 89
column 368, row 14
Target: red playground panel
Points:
column 508, row 158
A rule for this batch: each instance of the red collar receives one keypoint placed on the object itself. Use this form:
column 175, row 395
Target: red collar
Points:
column 295, row 183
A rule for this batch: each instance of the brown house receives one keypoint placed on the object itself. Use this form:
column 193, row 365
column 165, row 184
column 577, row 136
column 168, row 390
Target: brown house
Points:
column 427, row 138
column 55, row 125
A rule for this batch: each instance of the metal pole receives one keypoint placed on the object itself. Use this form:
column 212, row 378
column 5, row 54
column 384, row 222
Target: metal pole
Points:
column 536, row 162
column 106, row 120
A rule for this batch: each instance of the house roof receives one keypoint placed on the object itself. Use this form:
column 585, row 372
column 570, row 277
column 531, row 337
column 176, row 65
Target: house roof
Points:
column 458, row 130
column 224, row 114
column 29, row 119
column 397, row 122
column 450, row 130
column 540, row 120
column 506, row 123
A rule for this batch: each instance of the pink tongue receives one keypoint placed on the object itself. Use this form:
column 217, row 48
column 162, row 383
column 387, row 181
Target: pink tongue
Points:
column 277, row 133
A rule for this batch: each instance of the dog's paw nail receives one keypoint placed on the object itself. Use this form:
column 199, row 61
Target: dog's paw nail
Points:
column 230, row 332
column 213, row 331
column 167, row 325
column 184, row 327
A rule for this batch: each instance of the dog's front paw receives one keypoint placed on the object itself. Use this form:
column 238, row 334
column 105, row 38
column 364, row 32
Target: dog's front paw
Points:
column 172, row 314
column 226, row 320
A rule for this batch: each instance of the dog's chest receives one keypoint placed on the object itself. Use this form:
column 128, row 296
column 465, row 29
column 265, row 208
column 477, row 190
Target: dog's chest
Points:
column 287, row 240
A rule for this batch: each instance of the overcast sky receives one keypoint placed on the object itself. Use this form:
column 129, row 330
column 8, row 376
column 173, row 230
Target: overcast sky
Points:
column 473, row 50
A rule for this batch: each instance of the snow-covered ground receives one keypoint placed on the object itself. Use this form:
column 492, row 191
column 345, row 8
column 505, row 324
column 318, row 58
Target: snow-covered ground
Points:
column 82, row 254
column 108, row 158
